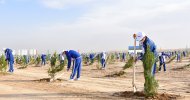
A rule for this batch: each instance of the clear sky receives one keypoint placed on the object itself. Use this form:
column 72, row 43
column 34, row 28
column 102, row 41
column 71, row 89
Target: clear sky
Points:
column 92, row 25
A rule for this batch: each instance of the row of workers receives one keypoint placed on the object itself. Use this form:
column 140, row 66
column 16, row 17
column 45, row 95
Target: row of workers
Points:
column 76, row 57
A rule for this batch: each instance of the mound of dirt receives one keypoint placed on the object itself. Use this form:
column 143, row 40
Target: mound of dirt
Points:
column 117, row 74
column 141, row 95
column 22, row 68
column 182, row 68
column 179, row 69
column 48, row 80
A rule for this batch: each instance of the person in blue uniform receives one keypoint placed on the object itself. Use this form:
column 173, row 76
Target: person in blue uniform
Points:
column 43, row 57
column 184, row 54
column 123, row 57
column 162, row 59
column 178, row 56
column 77, row 59
column 145, row 42
column 10, row 59
column 103, row 60
column 91, row 56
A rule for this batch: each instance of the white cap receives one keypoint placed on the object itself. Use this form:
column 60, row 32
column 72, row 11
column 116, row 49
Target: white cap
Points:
column 140, row 36
column 160, row 54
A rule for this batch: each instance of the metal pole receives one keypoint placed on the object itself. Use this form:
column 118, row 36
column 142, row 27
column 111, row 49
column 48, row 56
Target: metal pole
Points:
column 134, row 86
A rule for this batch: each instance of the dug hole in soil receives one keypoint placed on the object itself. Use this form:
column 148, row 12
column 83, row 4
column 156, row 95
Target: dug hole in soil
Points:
column 141, row 95
column 117, row 74
column 48, row 80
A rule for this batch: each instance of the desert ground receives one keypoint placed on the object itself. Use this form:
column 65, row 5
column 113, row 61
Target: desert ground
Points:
column 24, row 84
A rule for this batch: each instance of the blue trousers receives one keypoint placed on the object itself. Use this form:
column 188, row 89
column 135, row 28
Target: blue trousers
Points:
column 76, row 68
column 123, row 59
column 11, row 66
column 178, row 58
column 164, row 65
column 43, row 62
column 103, row 62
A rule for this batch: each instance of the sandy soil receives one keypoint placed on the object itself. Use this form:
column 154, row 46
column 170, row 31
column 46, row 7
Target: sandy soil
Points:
column 21, row 85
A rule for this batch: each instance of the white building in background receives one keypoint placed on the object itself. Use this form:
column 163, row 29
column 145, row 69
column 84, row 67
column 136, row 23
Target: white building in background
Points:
column 30, row 52
column 3, row 52
column 131, row 49
column 21, row 52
